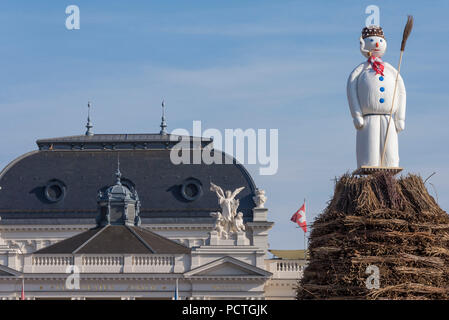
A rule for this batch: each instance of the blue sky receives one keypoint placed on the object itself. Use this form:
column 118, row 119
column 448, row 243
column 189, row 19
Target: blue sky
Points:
column 230, row 64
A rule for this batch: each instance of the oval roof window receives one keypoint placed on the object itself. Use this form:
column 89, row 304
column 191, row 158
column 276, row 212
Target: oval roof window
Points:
column 54, row 191
column 191, row 189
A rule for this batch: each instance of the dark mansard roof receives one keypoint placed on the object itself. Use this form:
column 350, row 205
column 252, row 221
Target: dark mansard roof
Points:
column 59, row 182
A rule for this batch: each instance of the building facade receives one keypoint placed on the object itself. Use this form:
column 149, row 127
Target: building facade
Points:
column 70, row 229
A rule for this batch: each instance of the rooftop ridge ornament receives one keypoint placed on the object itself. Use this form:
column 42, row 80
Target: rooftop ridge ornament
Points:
column 118, row 174
column 89, row 125
column 163, row 123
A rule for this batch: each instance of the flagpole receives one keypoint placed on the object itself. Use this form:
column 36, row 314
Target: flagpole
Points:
column 176, row 290
column 22, row 295
column 305, row 242
column 305, row 247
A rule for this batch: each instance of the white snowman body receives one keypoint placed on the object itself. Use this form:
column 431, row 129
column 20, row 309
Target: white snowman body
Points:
column 370, row 97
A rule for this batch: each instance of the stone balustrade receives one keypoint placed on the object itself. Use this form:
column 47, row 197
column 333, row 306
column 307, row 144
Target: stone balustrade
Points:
column 59, row 263
column 285, row 269
column 52, row 261
column 154, row 263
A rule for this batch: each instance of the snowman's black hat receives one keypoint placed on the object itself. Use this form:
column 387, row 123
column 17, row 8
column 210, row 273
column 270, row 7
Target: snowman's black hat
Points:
column 372, row 31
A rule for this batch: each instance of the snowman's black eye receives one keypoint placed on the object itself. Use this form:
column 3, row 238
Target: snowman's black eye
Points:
column 372, row 40
column 381, row 40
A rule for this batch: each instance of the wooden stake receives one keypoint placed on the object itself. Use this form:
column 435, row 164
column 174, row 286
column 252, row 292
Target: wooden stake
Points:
column 407, row 30
column 391, row 110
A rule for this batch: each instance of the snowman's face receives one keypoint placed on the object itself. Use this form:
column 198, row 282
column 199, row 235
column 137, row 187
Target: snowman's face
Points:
column 376, row 45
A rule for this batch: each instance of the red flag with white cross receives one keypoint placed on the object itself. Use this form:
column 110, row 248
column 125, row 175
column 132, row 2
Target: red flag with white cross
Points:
column 299, row 217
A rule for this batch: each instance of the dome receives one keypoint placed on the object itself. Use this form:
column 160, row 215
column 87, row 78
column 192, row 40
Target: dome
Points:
column 117, row 192
column 118, row 205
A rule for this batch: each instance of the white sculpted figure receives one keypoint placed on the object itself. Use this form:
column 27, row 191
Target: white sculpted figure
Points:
column 229, row 206
column 260, row 198
column 239, row 226
column 370, row 95
column 219, row 225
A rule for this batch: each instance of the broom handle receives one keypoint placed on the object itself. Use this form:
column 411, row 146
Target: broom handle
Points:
column 391, row 110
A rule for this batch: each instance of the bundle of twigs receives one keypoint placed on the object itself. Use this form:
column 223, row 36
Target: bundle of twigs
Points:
column 382, row 221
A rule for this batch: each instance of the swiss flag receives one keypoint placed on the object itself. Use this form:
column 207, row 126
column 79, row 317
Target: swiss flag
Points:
column 299, row 217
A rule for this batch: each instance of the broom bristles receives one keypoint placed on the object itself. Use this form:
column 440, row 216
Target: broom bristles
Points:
column 407, row 30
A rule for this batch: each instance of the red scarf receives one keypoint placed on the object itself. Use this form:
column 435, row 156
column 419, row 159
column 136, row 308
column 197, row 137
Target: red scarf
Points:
column 376, row 64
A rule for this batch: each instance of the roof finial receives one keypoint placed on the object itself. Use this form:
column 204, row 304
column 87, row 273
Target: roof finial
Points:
column 118, row 174
column 89, row 124
column 163, row 123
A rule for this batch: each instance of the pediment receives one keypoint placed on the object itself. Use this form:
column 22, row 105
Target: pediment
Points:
column 228, row 267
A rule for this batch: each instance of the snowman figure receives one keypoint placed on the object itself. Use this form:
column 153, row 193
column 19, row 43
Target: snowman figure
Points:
column 370, row 92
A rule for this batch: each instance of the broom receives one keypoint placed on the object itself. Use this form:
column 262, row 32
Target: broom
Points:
column 407, row 31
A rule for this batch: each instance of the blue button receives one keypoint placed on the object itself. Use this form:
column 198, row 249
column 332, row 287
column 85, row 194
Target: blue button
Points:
column 382, row 89
column 381, row 100
column 381, row 78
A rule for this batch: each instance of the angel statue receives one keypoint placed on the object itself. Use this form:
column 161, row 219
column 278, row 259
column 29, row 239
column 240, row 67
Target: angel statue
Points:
column 228, row 204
